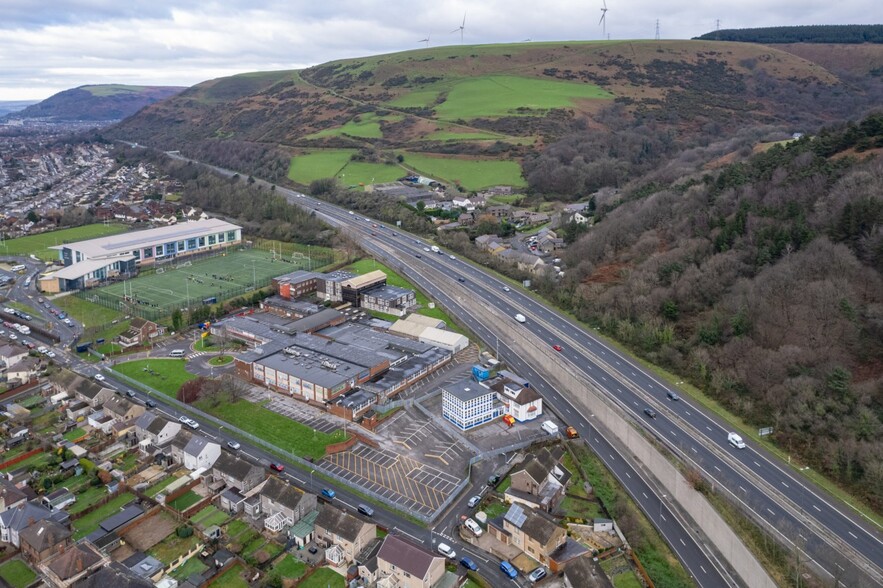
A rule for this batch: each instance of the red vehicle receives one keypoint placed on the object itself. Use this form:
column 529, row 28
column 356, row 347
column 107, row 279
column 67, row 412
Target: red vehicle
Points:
column 556, row 347
column 277, row 467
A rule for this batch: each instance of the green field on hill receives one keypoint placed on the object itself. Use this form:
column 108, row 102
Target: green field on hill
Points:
column 39, row 244
column 336, row 163
column 472, row 174
column 366, row 126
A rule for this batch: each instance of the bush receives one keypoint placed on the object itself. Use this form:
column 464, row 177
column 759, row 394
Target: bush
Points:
column 184, row 532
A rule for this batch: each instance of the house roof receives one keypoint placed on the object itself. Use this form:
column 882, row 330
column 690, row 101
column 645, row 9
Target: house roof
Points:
column 88, row 388
column 406, row 556
column 128, row 513
column 281, row 492
column 305, row 526
column 11, row 350
column 118, row 405
column 532, row 523
column 143, row 565
column 196, row 445
column 116, row 575
column 584, row 573
column 234, row 467
column 10, row 493
column 146, row 418
column 538, row 466
column 24, row 515
column 73, row 561
column 340, row 523
column 44, row 535
column 139, row 323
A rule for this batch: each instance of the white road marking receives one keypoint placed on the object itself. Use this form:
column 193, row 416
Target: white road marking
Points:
column 769, row 510
column 853, row 535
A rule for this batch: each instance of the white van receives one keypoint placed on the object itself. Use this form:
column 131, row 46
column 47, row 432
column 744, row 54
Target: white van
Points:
column 447, row 551
column 550, row 427
column 736, row 441
column 176, row 353
column 520, row 318
column 18, row 268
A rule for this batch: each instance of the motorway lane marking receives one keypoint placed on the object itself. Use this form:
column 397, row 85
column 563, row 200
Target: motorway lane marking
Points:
column 817, row 508
column 674, row 434
column 701, row 567
column 628, row 475
column 662, row 516
column 785, row 485
column 645, row 495
column 688, row 414
column 853, row 535
column 743, row 489
column 757, row 464
column 682, row 543
column 717, row 468
column 707, row 427
column 769, row 510
column 694, row 450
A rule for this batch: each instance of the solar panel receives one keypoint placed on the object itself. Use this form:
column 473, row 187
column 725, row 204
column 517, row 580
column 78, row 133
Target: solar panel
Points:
column 516, row 515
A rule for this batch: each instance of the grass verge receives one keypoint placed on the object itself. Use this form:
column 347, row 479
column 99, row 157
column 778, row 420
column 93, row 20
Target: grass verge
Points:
column 17, row 573
column 165, row 375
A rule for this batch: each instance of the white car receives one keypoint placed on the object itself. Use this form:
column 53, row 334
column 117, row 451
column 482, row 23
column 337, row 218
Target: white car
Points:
column 506, row 288
column 50, row 354
column 13, row 336
column 473, row 502
column 99, row 377
column 351, row 212
column 452, row 257
column 473, row 526
column 447, row 551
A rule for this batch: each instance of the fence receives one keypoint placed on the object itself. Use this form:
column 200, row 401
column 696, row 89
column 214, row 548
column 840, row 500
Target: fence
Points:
column 20, row 458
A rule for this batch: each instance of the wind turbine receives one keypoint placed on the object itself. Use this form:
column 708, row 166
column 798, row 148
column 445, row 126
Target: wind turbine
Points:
column 460, row 28
column 603, row 21
column 426, row 40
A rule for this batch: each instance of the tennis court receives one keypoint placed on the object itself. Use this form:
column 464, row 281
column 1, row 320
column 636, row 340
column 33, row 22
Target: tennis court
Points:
column 187, row 283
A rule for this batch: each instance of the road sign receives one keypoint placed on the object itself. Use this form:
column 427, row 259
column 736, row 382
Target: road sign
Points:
column 764, row 431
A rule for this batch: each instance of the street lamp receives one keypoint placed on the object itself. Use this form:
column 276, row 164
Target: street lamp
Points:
column 311, row 479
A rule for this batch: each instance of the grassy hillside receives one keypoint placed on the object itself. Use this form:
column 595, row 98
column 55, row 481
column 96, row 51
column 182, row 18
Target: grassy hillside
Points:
column 464, row 102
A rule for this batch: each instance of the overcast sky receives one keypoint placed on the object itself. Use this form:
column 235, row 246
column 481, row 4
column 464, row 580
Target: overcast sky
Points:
column 49, row 46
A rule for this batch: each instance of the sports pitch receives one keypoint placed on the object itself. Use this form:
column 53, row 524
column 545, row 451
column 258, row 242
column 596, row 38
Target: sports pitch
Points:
column 220, row 277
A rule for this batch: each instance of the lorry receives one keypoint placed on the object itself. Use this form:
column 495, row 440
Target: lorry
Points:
column 550, row 427
column 520, row 318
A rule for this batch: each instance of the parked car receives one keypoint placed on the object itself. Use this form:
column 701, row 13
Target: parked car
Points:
column 474, row 527
column 328, row 493
column 509, row 569
column 537, row 575
column 313, row 549
column 473, row 502
column 184, row 420
column 468, row 564
column 150, row 403
column 233, row 445
column 193, row 424
column 130, row 393
column 277, row 467
column 493, row 480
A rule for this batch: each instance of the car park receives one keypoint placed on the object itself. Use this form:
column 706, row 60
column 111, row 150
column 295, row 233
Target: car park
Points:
column 328, row 493
column 474, row 527
column 468, row 564
column 277, row 467
column 233, row 445
column 538, row 574
column 650, row 412
column 473, row 502
column 509, row 569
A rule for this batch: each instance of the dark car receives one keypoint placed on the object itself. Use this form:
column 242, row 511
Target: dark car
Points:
column 313, row 549
column 672, row 396
column 493, row 480
column 419, row 256
column 461, row 279
column 130, row 393
column 150, row 404
column 650, row 413
column 277, row 467
column 468, row 564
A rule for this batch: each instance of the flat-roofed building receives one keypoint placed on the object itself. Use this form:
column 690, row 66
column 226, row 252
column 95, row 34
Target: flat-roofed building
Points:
column 466, row 404
column 92, row 262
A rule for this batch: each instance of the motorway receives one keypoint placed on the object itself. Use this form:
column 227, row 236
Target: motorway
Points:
column 845, row 546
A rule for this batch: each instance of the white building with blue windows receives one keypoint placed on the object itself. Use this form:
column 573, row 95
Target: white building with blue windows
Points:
column 467, row 404
column 91, row 263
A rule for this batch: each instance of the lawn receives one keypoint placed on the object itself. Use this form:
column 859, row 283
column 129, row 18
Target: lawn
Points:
column 167, row 376
column 232, row 578
column 74, row 434
column 85, row 312
column 185, row 501
column 39, row 244
column 88, row 523
column 513, row 199
column 270, row 549
column 87, row 498
column 235, row 527
column 581, row 509
column 284, row 433
column 363, row 266
column 160, row 486
column 506, row 95
column 290, row 567
column 323, row 578
column 192, row 566
column 172, row 547
column 472, row 174
column 495, row 509
column 316, row 165
column 17, row 573
column 221, row 360
column 209, row 516
column 33, row 462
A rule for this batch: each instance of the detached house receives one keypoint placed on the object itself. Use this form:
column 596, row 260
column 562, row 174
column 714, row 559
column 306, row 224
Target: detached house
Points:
column 140, row 332
column 539, row 480
column 407, row 565
column 521, row 402
column 345, row 534
column 530, row 531
column 283, row 504
column 15, row 520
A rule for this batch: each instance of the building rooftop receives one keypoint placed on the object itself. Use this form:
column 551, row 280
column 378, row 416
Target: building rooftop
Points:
column 340, row 523
column 115, row 245
column 114, row 575
column 466, row 390
column 82, row 268
column 388, row 292
column 406, row 556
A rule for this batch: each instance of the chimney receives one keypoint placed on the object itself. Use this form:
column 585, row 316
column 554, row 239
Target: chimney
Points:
column 79, row 561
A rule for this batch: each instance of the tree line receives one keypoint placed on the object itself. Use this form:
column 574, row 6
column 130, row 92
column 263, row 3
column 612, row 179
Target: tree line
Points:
column 849, row 34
